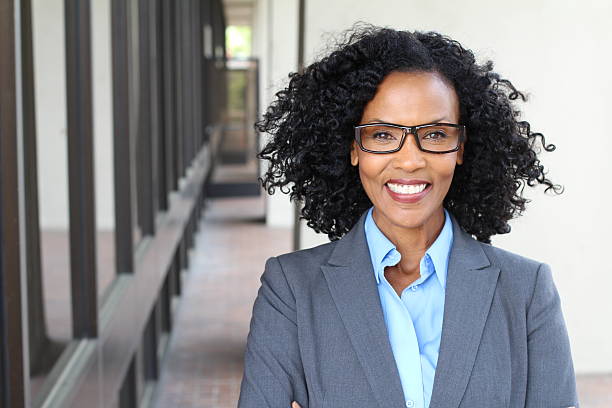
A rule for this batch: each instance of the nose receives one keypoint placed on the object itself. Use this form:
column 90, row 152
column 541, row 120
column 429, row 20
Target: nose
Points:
column 409, row 157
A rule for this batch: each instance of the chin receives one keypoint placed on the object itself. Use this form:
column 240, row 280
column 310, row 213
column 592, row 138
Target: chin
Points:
column 404, row 217
column 411, row 223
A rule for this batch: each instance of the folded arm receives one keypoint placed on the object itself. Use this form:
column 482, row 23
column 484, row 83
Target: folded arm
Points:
column 273, row 373
column 551, row 379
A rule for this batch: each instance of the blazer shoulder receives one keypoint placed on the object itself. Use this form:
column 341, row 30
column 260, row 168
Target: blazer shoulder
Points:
column 507, row 260
column 520, row 267
column 518, row 274
column 305, row 262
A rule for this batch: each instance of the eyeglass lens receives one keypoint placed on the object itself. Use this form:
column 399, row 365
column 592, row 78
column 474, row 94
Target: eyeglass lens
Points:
column 383, row 138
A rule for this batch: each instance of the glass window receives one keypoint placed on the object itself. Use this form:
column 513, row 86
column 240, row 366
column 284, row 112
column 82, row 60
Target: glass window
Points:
column 134, row 109
column 238, row 42
column 49, row 282
column 103, row 143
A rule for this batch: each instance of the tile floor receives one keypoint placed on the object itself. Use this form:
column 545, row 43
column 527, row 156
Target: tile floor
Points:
column 203, row 367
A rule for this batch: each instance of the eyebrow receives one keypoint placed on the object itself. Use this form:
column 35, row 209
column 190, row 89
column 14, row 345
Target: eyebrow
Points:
column 443, row 119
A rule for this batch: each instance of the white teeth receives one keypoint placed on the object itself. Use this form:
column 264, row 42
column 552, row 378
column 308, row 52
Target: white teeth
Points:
column 406, row 188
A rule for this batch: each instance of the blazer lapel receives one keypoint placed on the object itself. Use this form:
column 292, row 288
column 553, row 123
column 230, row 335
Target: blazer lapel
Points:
column 470, row 287
column 353, row 288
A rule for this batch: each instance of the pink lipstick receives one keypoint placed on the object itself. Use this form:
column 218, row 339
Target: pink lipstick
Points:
column 407, row 191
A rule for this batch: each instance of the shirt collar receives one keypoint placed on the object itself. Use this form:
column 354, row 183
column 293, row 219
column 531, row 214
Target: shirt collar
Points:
column 381, row 248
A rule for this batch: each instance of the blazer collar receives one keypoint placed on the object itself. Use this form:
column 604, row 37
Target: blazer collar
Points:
column 470, row 286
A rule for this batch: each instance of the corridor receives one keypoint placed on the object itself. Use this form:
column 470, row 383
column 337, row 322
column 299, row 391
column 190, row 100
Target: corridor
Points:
column 203, row 367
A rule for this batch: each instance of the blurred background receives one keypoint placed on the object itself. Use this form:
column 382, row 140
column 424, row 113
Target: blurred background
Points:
column 134, row 230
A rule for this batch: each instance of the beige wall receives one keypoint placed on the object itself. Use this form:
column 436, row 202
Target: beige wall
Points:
column 559, row 53
column 274, row 43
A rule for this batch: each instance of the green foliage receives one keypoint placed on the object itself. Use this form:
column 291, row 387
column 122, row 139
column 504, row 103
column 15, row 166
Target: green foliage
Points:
column 238, row 41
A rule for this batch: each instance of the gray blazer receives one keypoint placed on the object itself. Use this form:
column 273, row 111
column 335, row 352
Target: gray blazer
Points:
column 318, row 335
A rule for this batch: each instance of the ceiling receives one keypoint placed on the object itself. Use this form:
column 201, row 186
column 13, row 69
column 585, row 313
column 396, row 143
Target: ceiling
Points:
column 239, row 12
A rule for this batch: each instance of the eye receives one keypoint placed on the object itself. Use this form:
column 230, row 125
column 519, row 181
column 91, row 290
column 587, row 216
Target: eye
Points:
column 436, row 135
column 382, row 135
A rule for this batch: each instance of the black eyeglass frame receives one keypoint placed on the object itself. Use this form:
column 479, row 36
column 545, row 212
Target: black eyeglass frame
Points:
column 410, row 130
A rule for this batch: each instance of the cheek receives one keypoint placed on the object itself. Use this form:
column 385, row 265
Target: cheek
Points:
column 371, row 168
column 445, row 169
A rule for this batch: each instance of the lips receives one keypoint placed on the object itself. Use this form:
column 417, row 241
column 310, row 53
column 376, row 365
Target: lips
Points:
column 408, row 181
column 407, row 191
column 406, row 188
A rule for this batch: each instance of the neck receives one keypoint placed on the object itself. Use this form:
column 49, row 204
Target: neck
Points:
column 411, row 243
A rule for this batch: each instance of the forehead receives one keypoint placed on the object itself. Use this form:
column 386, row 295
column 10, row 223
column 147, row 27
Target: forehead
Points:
column 413, row 98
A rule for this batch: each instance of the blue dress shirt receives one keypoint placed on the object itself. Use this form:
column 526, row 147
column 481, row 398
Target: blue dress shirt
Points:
column 414, row 320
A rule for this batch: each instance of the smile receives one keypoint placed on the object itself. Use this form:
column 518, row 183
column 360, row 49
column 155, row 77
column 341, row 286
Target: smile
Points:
column 406, row 188
column 407, row 193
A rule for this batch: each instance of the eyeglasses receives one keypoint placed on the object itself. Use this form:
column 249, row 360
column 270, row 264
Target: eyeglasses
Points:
column 389, row 138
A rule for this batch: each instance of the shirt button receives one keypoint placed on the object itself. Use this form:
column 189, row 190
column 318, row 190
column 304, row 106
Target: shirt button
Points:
column 410, row 403
column 414, row 288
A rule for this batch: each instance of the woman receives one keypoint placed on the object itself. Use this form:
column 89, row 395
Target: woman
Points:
column 402, row 149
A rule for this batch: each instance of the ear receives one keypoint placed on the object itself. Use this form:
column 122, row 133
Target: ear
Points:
column 460, row 154
column 354, row 154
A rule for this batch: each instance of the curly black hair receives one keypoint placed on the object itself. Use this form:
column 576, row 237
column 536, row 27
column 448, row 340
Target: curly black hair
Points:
column 311, row 122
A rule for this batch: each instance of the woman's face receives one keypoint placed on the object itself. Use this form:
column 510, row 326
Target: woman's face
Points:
column 409, row 99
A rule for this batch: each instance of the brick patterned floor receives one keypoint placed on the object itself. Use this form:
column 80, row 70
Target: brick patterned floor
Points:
column 204, row 364
column 203, row 368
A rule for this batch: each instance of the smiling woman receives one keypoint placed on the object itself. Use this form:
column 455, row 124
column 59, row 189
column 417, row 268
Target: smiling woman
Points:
column 410, row 156
column 407, row 188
